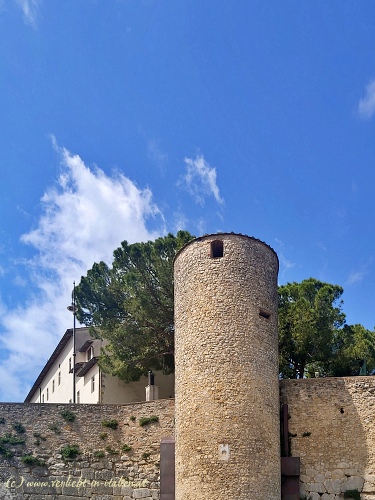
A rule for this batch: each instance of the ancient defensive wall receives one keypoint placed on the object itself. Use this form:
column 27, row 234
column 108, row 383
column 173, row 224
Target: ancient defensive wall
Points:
column 82, row 452
column 331, row 425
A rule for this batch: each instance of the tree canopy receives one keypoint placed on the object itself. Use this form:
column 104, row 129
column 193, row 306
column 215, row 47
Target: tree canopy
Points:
column 131, row 305
column 313, row 335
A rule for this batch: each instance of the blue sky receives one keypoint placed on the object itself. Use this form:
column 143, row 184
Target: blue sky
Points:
column 127, row 119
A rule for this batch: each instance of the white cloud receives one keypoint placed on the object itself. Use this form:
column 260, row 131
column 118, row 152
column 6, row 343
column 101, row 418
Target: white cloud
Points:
column 84, row 218
column 200, row 180
column 285, row 263
column 355, row 277
column 358, row 275
column 31, row 11
column 366, row 106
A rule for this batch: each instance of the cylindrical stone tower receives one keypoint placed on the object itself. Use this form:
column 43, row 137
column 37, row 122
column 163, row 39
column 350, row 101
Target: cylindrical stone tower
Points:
column 227, row 392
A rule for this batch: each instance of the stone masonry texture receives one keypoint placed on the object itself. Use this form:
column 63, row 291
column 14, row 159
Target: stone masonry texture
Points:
column 227, row 399
column 332, row 429
column 331, row 424
column 112, row 464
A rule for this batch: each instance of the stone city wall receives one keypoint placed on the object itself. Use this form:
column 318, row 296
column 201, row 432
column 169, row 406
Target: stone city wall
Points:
column 331, row 425
column 45, row 455
column 332, row 429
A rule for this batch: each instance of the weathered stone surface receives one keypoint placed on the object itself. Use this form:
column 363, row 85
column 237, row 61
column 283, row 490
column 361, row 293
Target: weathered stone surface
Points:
column 86, row 476
column 141, row 493
column 317, row 487
column 339, row 413
column 226, row 349
column 327, row 496
column 353, row 483
column 333, row 485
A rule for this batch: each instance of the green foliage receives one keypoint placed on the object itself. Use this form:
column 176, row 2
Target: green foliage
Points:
column 70, row 451
column 54, row 428
column 11, row 439
column 313, row 336
column 99, row 454
column 133, row 418
column 352, row 345
column 126, row 447
column 31, row 460
column 353, row 494
column 68, row 415
column 145, row 455
column 18, row 427
column 5, row 451
column 2, row 420
column 111, row 451
column 132, row 305
column 148, row 420
column 39, row 436
column 111, row 424
column 309, row 317
column 103, row 435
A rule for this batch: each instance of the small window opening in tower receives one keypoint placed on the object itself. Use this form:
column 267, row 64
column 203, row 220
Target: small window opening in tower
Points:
column 264, row 314
column 217, row 249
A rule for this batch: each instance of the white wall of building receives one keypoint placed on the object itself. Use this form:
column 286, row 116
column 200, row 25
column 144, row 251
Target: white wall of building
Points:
column 93, row 387
column 117, row 391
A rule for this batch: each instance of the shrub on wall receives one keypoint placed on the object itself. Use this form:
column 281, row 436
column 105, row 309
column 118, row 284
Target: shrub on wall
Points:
column 31, row 460
column 70, row 451
column 111, row 424
column 68, row 415
column 19, row 428
column 148, row 420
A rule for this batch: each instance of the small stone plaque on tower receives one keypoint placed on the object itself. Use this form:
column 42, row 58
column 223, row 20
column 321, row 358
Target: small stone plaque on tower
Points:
column 224, row 452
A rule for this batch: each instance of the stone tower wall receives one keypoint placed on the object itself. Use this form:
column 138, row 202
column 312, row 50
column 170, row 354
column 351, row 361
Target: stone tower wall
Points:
column 227, row 395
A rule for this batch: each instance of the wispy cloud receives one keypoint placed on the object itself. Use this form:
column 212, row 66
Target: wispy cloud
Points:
column 31, row 11
column 355, row 277
column 200, row 180
column 85, row 216
column 358, row 275
column 366, row 106
column 155, row 153
column 286, row 263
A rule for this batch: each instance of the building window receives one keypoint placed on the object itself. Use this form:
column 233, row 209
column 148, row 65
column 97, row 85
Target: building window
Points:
column 59, row 378
column 217, row 249
column 90, row 353
column 47, row 394
column 53, row 385
column 92, row 384
column 78, row 397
